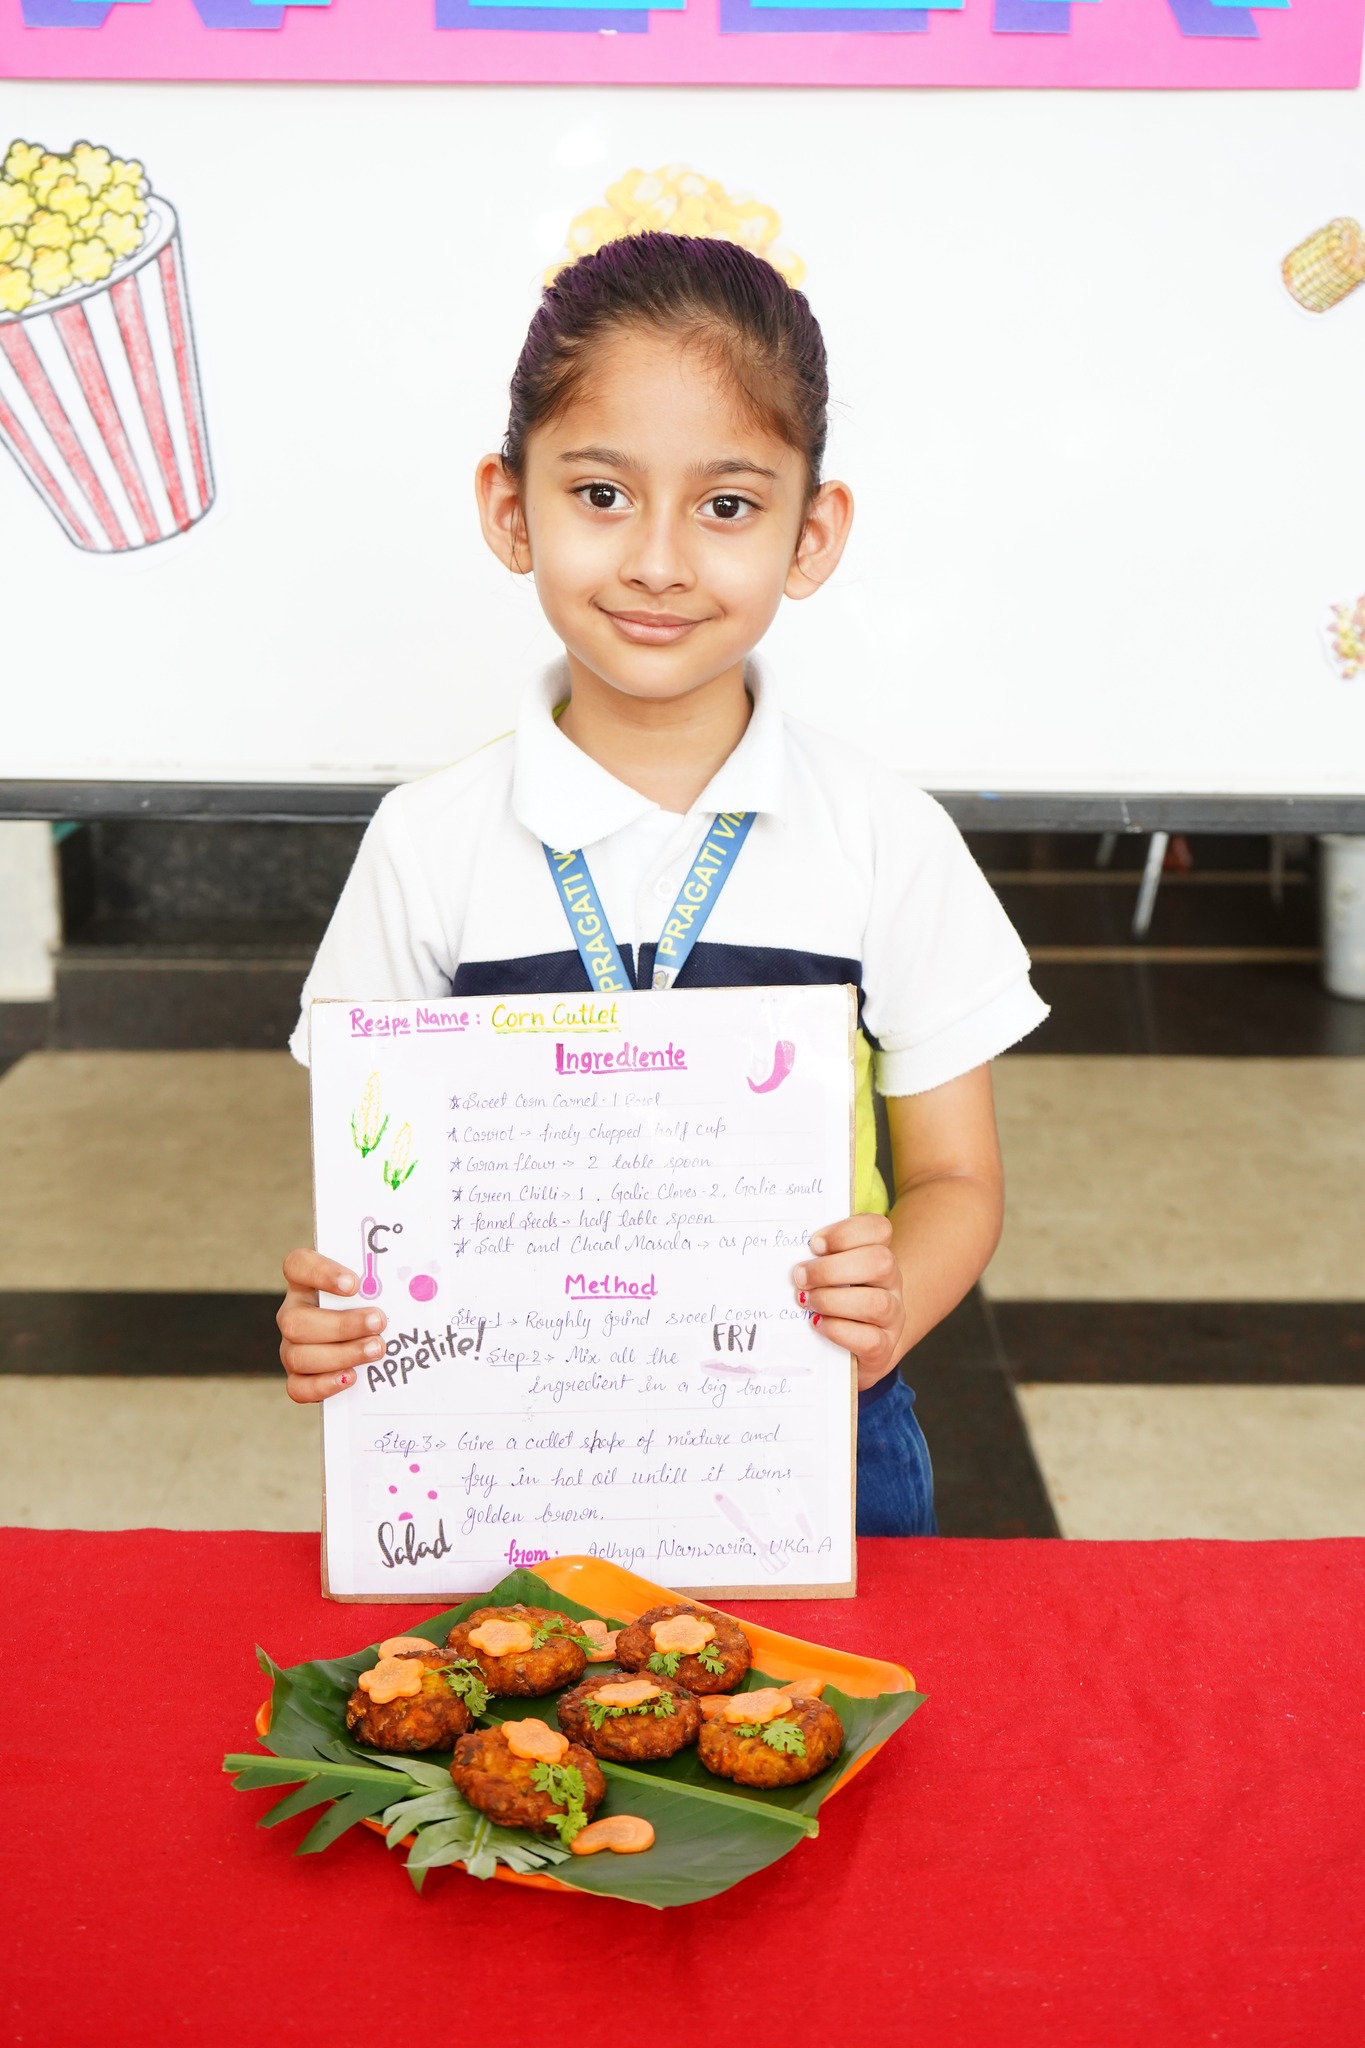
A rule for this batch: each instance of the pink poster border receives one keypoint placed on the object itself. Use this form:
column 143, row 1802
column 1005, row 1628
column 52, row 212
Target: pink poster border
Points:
column 1117, row 43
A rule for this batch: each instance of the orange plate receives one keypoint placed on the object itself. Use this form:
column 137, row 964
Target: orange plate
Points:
column 609, row 1590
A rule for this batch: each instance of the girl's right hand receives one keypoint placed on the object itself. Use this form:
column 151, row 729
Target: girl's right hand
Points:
column 322, row 1349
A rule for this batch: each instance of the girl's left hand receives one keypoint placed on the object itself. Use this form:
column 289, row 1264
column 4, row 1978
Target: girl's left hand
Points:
column 854, row 1293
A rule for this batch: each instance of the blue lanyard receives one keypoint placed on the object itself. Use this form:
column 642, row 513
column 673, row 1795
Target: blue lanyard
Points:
column 682, row 927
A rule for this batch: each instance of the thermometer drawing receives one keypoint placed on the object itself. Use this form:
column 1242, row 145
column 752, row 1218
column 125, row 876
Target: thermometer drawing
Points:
column 370, row 1283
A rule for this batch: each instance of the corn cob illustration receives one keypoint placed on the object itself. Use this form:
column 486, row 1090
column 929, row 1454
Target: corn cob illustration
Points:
column 397, row 1167
column 366, row 1128
column 1346, row 638
column 1330, row 264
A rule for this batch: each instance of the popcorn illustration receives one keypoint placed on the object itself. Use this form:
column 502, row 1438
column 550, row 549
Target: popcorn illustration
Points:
column 99, row 387
column 680, row 201
column 1331, row 263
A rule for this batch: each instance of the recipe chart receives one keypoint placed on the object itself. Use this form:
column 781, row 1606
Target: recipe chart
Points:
column 580, row 1214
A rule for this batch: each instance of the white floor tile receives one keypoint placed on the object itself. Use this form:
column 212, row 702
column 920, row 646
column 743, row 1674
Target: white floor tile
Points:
column 1240, row 1462
column 1182, row 1180
column 157, row 1453
column 185, row 1171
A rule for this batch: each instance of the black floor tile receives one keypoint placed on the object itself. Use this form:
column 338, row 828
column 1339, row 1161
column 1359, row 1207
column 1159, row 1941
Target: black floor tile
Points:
column 165, row 867
column 139, row 1335
column 1217, row 914
column 986, row 1479
column 164, row 1005
column 1159, row 1343
column 1031, row 852
column 24, row 1027
column 149, row 941
column 1261, row 1010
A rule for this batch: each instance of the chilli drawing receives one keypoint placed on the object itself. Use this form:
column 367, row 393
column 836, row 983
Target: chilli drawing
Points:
column 784, row 1059
column 100, row 402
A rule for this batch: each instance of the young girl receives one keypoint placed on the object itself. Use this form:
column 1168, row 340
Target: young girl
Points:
column 661, row 481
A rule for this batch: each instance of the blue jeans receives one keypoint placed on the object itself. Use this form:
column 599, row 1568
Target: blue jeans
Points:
column 895, row 1477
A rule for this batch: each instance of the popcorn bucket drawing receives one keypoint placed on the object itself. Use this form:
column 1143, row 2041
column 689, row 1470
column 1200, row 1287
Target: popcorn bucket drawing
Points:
column 100, row 402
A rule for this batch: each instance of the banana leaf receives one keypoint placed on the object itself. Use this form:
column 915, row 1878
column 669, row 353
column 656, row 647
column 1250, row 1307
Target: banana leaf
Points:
column 709, row 1833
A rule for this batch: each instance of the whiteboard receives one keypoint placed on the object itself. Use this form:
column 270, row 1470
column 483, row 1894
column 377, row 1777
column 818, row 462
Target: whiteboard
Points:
column 1107, row 472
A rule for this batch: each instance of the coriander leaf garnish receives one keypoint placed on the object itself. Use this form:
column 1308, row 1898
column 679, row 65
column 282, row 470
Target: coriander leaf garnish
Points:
column 785, row 1737
column 466, row 1681
column 599, row 1711
column 710, row 1659
column 563, row 1783
column 556, row 1626
column 666, row 1661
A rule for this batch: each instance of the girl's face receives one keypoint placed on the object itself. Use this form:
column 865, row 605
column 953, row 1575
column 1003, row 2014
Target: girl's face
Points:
column 662, row 526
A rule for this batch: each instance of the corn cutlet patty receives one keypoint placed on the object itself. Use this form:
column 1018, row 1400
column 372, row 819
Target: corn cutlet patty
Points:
column 717, row 1664
column 523, row 1652
column 627, row 1719
column 434, row 1716
column 773, row 1755
column 504, row 1786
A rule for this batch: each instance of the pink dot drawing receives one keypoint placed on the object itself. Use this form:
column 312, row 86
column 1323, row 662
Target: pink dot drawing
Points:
column 431, row 1496
column 414, row 1468
column 405, row 1516
column 422, row 1287
column 393, row 1489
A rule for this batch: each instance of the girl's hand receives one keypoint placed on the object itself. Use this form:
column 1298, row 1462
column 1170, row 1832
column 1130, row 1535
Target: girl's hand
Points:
column 322, row 1349
column 853, row 1290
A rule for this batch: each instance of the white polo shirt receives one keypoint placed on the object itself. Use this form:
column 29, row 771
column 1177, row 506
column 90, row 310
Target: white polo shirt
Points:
column 849, row 874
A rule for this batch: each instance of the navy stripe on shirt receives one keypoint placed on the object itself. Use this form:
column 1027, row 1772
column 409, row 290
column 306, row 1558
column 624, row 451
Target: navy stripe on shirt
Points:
column 708, row 966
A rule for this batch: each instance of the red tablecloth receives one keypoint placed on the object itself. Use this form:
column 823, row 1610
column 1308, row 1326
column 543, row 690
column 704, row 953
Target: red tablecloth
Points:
column 1132, row 1811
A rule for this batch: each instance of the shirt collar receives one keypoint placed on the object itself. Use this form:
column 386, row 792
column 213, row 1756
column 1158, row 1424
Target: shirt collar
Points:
column 567, row 800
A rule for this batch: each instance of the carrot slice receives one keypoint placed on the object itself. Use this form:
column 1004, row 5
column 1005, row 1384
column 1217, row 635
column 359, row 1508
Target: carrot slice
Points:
column 713, row 1704
column 626, row 1833
column 393, row 1646
column 603, row 1649
column 762, row 1705
column 682, row 1632
column 628, row 1692
column 392, row 1678
column 501, row 1638
column 805, row 1688
column 532, row 1739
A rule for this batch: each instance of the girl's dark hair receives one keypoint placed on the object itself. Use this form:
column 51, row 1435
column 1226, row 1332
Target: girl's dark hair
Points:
column 716, row 296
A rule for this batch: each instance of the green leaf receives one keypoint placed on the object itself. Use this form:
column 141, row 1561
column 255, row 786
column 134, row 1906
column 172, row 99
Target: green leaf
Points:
column 300, row 1800
column 255, row 1772
column 701, row 1845
column 437, row 1776
column 472, row 1839
column 401, row 1820
column 348, row 1811
column 802, row 1822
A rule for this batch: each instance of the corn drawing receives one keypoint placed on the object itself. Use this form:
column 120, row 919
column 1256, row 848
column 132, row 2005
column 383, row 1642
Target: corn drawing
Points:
column 366, row 1128
column 1329, row 265
column 398, row 1166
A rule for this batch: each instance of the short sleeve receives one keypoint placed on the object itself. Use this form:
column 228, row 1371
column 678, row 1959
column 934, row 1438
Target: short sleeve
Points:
column 945, row 974
column 385, row 940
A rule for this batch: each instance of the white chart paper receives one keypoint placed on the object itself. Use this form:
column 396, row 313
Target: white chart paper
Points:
column 580, row 1215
